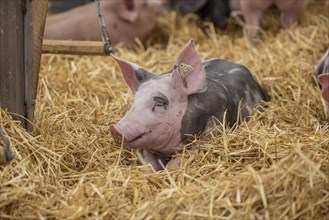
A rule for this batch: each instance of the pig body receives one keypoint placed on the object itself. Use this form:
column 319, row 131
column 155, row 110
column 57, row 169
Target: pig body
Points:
column 226, row 85
column 169, row 109
column 323, row 76
column 218, row 12
column 253, row 12
column 125, row 21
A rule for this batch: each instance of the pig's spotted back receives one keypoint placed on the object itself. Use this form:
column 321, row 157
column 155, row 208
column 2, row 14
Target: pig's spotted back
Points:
column 227, row 84
column 234, row 76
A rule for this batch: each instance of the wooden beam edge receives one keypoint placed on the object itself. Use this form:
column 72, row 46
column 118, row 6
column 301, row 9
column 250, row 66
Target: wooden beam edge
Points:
column 73, row 47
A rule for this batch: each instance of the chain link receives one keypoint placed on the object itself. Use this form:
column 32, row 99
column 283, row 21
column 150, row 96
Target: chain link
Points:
column 105, row 36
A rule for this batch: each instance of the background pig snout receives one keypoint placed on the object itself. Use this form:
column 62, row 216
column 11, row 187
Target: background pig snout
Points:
column 116, row 134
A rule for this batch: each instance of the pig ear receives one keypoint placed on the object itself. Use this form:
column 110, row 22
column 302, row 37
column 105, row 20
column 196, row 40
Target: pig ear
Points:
column 324, row 81
column 129, row 11
column 133, row 74
column 188, row 74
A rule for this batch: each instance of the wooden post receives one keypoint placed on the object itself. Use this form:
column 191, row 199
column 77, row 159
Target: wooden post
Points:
column 12, row 57
column 21, row 31
column 38, row 11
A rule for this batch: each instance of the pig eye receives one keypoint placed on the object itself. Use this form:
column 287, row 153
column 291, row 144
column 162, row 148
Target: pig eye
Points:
column 160, row 102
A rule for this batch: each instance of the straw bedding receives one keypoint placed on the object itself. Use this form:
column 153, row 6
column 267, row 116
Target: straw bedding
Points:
column 274, row 166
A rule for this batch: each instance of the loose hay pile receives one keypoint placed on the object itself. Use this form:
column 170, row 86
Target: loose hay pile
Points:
column 273, row 167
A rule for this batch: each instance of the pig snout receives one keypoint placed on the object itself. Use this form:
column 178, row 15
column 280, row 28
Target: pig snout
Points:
column 130, row 138
column 116, row 134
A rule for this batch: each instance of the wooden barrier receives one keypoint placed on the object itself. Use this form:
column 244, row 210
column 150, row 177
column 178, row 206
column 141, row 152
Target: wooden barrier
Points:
column 21, row 31
column 12, row 57
column 73, row 47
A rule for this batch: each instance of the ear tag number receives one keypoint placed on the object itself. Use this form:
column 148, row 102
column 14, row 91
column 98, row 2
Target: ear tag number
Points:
column 185, row 69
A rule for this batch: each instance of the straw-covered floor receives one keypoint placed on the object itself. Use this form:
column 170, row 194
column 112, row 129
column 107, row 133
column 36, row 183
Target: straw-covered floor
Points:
column 275, row 166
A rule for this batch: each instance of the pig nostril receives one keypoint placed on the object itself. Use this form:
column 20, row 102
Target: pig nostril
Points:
column 116, row 134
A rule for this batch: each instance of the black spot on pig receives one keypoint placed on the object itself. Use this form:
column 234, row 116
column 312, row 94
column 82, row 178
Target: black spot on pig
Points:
column 227, row 84
column 217, row 11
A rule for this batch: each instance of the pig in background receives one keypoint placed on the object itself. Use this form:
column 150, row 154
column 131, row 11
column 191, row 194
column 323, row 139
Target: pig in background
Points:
column 252, row 11
column 57, row 6
column 126, row 21
column 323, row 76
column 170, row 108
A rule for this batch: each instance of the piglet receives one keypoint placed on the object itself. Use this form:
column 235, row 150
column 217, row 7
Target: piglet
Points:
column 125, row 20
column 253, row 11
column 170, row 108
column 323, row 76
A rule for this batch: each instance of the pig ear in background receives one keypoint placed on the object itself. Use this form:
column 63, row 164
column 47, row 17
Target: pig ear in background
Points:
column 324, row 81
column 188, row 75
column 133, row 74
column 129, row 11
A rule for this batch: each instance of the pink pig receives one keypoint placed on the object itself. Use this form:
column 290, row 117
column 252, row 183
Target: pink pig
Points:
column 147, row 123
column 253, row 11
column 125, row 20
column 170, row 109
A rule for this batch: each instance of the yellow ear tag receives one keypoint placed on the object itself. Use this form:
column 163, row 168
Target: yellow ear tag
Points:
column 185, row 69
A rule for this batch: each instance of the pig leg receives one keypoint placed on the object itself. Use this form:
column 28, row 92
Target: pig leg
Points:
column 174, row 163
column 153, row 159
column 291, row 11
column 205, row 137
column 289, row 17
column 252, row 28
column 253, row 12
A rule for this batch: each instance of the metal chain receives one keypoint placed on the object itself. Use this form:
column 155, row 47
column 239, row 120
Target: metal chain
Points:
column 105, row 35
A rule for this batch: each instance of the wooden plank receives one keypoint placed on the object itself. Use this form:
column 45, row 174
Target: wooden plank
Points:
column 28, row 55
column 37, row 12
column 21, row 32
column 12, row 58
column 73, row 47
